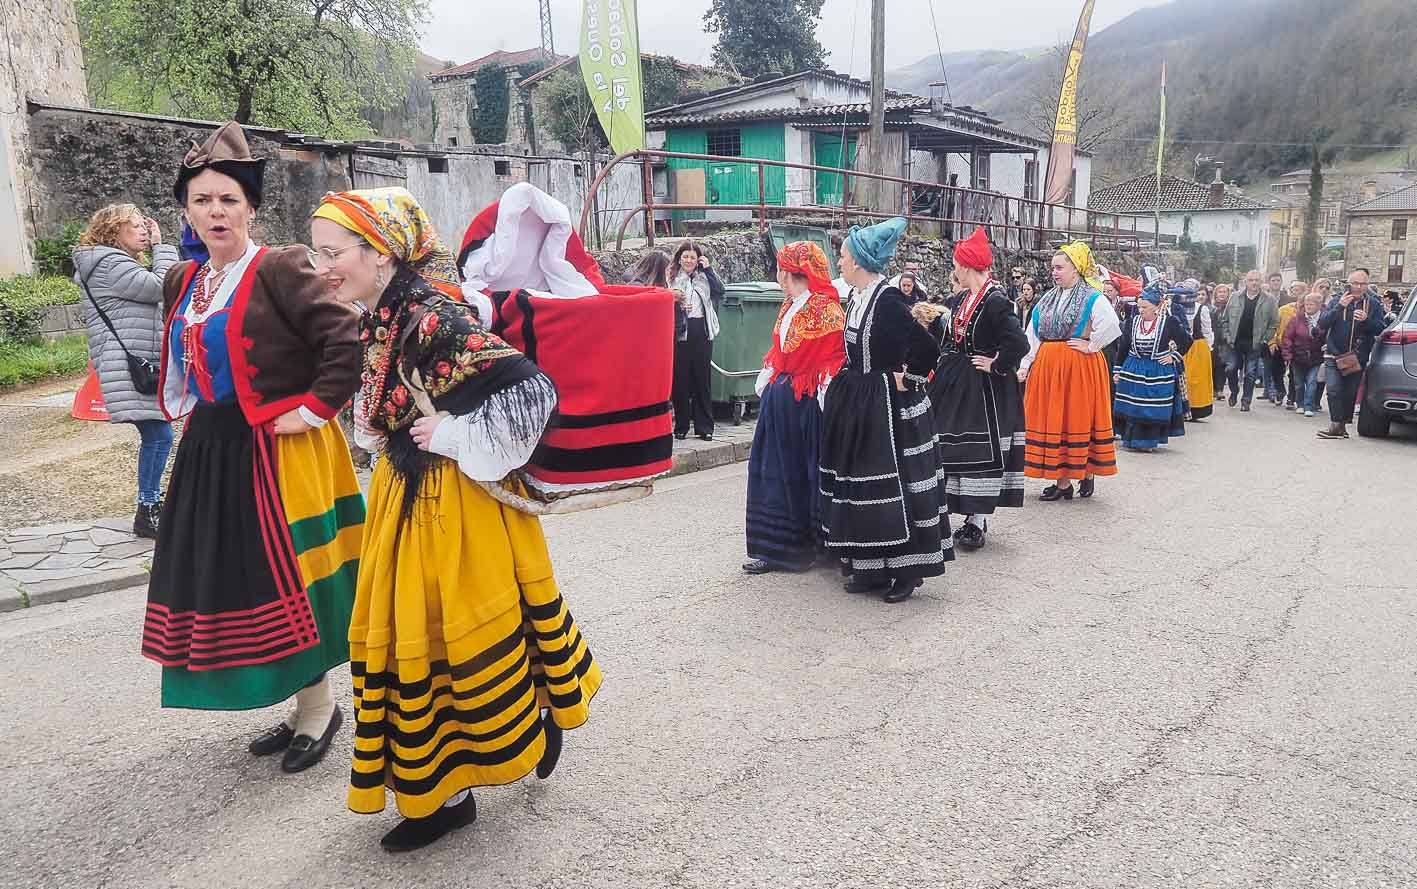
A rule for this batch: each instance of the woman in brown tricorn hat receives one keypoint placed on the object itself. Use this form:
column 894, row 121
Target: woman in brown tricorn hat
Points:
column 258, row 545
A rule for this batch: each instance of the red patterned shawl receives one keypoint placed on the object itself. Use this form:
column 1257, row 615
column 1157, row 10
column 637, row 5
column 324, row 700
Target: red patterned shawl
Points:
column 816, row 345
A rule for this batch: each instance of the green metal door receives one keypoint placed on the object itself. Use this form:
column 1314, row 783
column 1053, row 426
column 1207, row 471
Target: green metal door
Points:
column 737, row 183
column 826, row 149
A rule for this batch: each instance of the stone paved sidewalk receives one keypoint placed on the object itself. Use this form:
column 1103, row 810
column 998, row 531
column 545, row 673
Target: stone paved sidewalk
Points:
column 51, row 563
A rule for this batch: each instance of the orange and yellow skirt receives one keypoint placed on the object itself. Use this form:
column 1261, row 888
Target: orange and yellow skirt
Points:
column 1068, row 415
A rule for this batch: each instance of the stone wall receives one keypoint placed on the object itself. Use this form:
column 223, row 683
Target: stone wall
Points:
column 453, row 104
column 747, row 256
column 62, row 321
column 1370, row 243
column 44, row 58
column 84, row 159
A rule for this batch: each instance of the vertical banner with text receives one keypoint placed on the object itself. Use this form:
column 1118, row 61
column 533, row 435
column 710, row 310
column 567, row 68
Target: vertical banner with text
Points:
column 610, row 64
column 1065, row 125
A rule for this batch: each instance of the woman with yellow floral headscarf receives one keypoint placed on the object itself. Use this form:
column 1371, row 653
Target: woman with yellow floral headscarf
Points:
column 808, row 349
column 1067, row 404
column 466, row 663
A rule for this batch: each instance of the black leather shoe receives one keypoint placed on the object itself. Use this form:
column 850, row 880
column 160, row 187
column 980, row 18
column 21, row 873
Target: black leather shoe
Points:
column 706, row 436
column 900, row 591
column 415, row 833
column 1053, row 493
column 304, row 751
column 272, row 740
column 971, row 537
column 862, row 588
column 554, row 736
column 1087, row 488
column 1234, row 397
column 757, row 566
column 682, row 436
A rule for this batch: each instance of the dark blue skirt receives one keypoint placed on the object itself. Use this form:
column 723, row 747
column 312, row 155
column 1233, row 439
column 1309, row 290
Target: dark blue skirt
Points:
column 1150, row 407
column 784, row 508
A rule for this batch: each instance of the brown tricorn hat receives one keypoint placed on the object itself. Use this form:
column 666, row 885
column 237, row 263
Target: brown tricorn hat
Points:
column 227, row 152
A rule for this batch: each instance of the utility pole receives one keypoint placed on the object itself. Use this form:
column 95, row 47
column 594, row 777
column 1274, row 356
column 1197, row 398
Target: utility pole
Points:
column 876, row 158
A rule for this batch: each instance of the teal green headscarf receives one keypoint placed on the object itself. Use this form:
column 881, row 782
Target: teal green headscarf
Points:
column 873, row 247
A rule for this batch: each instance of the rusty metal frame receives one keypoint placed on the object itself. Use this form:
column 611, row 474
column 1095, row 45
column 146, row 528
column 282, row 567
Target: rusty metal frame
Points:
column 1043, row 212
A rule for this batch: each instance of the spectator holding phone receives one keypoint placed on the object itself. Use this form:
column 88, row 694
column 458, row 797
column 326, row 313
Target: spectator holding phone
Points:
column 123, row 302
column 699, row 291
column 1351, row 322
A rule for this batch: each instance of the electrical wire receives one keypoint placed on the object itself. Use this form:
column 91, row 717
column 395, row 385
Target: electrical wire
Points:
column 940, row 50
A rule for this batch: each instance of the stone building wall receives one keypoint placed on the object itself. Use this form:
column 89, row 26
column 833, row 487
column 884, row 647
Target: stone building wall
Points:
column 44, row 59
column 453, row 107
column 1370, row 244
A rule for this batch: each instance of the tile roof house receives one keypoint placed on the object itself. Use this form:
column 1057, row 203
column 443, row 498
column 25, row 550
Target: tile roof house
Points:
column 1211, row 212
column 821, row 118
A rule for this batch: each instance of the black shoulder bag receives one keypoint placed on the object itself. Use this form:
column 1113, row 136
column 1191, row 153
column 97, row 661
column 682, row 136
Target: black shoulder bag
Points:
column 142, row 371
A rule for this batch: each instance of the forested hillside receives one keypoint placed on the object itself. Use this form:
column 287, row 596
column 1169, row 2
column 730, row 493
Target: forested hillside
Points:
column 1239, row 72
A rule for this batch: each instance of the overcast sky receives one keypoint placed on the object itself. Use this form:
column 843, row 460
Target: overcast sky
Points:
column 462, row 30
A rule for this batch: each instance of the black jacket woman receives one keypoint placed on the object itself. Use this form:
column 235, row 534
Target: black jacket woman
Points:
column 699, row 292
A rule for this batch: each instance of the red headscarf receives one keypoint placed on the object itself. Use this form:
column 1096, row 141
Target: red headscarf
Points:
column 974, row 252
column 815, row 347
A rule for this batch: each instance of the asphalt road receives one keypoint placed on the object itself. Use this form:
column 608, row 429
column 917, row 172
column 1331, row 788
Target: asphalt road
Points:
column 1203, row 677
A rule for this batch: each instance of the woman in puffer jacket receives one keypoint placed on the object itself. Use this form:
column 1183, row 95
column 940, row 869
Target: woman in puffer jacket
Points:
column 111, row 267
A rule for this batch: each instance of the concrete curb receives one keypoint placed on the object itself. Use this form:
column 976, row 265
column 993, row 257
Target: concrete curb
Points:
column 700, row 459
column 29, row 595
column 15, row 598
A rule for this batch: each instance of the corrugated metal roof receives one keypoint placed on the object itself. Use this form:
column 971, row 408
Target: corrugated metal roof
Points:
column 1139, row 196
column 812, row 112
column 1402, row 200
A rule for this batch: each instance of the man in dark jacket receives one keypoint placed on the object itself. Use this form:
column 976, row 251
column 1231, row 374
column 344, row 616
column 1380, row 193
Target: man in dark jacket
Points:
column 1250, row 320
column 1351, row 323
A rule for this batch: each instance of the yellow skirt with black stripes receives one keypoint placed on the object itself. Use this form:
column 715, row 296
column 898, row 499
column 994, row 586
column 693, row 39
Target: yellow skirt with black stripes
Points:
column 459, row 640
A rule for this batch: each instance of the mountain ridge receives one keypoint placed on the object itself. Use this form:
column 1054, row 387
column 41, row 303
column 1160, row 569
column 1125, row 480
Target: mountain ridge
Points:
column 1285, row 72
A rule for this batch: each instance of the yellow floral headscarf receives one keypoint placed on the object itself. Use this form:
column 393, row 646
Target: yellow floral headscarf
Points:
column 1081, row 256
column 393, row 223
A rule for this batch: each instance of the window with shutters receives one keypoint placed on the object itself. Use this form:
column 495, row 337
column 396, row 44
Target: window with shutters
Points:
column 1396, row 266
column 1030, row 180
column 1399, row 229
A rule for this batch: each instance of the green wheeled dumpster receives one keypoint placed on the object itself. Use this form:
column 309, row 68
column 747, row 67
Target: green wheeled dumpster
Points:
column 746, row 318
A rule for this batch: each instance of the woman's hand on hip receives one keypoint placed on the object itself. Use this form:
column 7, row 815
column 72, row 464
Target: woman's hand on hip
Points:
column 1079, row 344
column 424, row 427
column 290, row 423
column 984, row 363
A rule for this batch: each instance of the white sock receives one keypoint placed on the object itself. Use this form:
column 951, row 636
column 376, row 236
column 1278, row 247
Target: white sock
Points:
column 313, row 708
column 456, row 799
column 976, row 521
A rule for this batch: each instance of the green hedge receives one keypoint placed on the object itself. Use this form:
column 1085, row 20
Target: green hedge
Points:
column 23, row 298
column 29, row 363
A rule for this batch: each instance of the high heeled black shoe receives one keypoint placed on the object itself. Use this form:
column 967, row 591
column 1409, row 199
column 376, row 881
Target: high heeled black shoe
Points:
column 1087, row 487
column 1054, row 493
